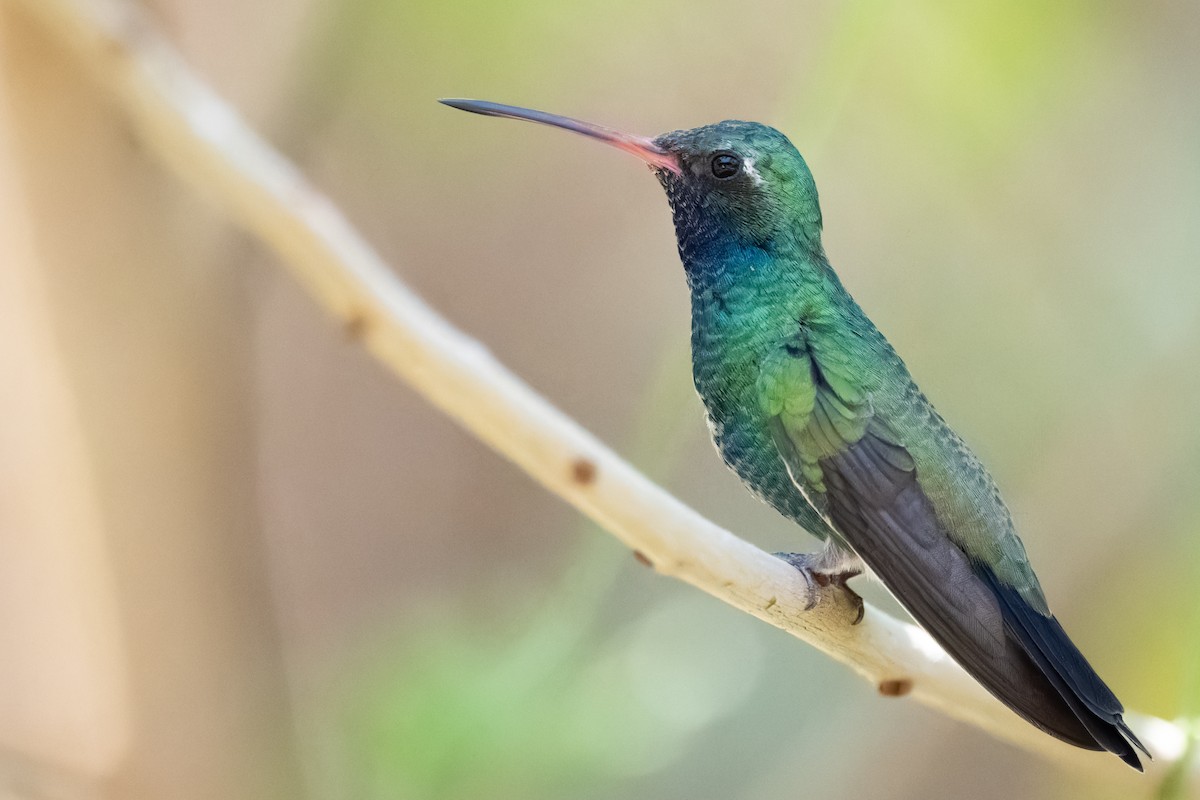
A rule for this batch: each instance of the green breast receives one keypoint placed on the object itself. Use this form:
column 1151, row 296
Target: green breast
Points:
column 732, row 332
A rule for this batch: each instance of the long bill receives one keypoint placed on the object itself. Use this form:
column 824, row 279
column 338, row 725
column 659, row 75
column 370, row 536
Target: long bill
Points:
column 640, row 146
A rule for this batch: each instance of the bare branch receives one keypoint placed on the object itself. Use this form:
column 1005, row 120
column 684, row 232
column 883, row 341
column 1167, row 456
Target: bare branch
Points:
column 204, row 140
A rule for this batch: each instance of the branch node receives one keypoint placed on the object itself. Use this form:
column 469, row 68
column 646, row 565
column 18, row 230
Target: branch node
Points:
column 356, row 326
column 895, row 687
column 583, row 471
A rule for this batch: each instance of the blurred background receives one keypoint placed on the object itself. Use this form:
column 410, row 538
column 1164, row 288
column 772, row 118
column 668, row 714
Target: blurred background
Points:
column 241, row 560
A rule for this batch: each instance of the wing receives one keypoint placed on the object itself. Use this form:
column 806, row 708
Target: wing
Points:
column 835, row 446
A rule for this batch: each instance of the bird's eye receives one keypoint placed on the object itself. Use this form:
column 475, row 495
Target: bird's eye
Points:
column 725, row 166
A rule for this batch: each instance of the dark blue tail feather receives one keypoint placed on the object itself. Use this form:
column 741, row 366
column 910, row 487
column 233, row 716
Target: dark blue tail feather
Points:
column 1065, row 667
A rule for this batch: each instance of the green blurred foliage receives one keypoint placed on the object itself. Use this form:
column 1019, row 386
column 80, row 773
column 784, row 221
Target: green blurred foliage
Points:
column 543, row 709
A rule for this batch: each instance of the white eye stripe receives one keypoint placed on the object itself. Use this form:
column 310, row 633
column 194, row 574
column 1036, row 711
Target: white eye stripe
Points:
column 748, row 166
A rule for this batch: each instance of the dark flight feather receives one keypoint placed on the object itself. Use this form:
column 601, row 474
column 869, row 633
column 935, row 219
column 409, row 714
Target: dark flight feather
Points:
column 899, row 537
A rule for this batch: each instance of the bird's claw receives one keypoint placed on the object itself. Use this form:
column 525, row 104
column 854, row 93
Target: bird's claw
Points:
column 809, row 566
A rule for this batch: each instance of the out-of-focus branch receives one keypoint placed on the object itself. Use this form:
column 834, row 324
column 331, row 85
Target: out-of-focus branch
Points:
column 190, row 128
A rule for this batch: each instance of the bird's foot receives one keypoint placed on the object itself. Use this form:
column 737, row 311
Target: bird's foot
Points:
column 819, row 571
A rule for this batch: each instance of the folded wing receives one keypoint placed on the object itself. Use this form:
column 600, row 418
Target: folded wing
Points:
column 855, row 468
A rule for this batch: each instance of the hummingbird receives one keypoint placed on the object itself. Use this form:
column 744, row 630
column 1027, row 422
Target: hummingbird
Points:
column 812, row 408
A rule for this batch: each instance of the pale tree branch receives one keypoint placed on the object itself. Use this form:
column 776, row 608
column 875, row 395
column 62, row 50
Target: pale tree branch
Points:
column 203, row 139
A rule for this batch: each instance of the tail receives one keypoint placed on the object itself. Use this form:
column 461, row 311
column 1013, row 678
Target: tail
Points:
column 1060, row 662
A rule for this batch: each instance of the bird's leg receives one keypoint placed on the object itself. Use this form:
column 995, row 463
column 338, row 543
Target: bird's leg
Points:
column 832, row 566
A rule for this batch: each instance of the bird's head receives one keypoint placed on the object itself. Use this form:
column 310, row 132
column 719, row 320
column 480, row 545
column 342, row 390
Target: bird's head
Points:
column 743, row 181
